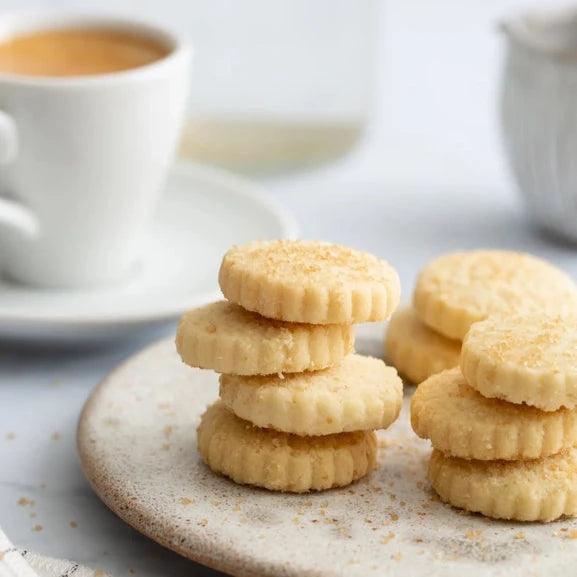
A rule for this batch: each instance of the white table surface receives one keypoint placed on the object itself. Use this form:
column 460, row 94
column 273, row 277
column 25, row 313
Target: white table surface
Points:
column 429, row 178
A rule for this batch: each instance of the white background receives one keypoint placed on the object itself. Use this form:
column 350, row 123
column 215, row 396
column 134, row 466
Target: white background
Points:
column 429, row 177
column 437, row 69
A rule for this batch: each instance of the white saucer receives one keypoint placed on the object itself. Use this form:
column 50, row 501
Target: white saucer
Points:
column 202, row 213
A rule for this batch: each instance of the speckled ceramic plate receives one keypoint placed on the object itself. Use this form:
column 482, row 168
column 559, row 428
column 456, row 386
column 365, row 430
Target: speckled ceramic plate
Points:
column 136, row 439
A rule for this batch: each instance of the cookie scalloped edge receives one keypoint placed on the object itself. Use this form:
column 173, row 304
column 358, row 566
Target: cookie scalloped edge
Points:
column 514, row 384
column 282, row 462
column 495, row 500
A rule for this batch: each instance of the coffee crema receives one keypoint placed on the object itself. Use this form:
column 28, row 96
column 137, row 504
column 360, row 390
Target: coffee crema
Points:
column 78, row 52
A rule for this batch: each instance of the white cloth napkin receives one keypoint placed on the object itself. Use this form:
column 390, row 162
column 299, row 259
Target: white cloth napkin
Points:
column 15, row 563
column 49, row 567
column 21, row 563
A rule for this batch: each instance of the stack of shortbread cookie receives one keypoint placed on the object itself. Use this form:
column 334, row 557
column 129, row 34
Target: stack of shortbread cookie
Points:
column 297, row 409
column 504, row 424
column 458, row 289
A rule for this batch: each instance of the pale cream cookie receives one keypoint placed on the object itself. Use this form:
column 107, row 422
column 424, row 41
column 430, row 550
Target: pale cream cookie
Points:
column 360, row 394
column 280, row 461
column 228, row 339
column 460, row 422
column 530, row 360
column 537, row 490
column 417, row 351
column 456, row 290
column 309, row 282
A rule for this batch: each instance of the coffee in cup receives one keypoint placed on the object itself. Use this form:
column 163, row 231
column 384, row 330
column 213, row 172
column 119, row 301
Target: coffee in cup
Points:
column 78, row 52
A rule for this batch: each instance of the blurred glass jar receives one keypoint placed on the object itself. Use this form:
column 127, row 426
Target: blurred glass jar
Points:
column 277, row 84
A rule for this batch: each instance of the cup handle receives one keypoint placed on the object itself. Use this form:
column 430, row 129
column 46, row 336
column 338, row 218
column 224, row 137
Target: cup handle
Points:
column 13, row 215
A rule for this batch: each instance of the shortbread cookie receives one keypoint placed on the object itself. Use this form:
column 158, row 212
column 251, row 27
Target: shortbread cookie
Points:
column 279, row 461
column 417, row 351
column 538, row 490
column 227, row 339
column 460, row 422
column 360, row 394
column 456, row 290
column 530, row 360
column 309, row 282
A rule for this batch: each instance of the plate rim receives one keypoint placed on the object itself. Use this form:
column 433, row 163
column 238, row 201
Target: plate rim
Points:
column 217, row 561
column 236, row 186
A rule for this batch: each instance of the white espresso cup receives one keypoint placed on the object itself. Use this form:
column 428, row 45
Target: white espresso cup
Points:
column 83, row 158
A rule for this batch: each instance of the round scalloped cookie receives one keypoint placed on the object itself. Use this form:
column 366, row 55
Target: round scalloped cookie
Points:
column 522, row 359
column 538, row 490
column 456, row 290
column 460, row 422
column 279, row 461
column 417, row 351
column 309, row 282
column 227, row 339
column 360, row 394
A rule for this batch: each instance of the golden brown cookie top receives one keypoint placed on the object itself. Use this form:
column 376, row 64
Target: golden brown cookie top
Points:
column 310, row 282
column 456, row 290
column 524, row 359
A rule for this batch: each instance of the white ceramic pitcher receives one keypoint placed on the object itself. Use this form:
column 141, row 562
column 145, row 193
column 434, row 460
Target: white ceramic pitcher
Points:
column 539, row 115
